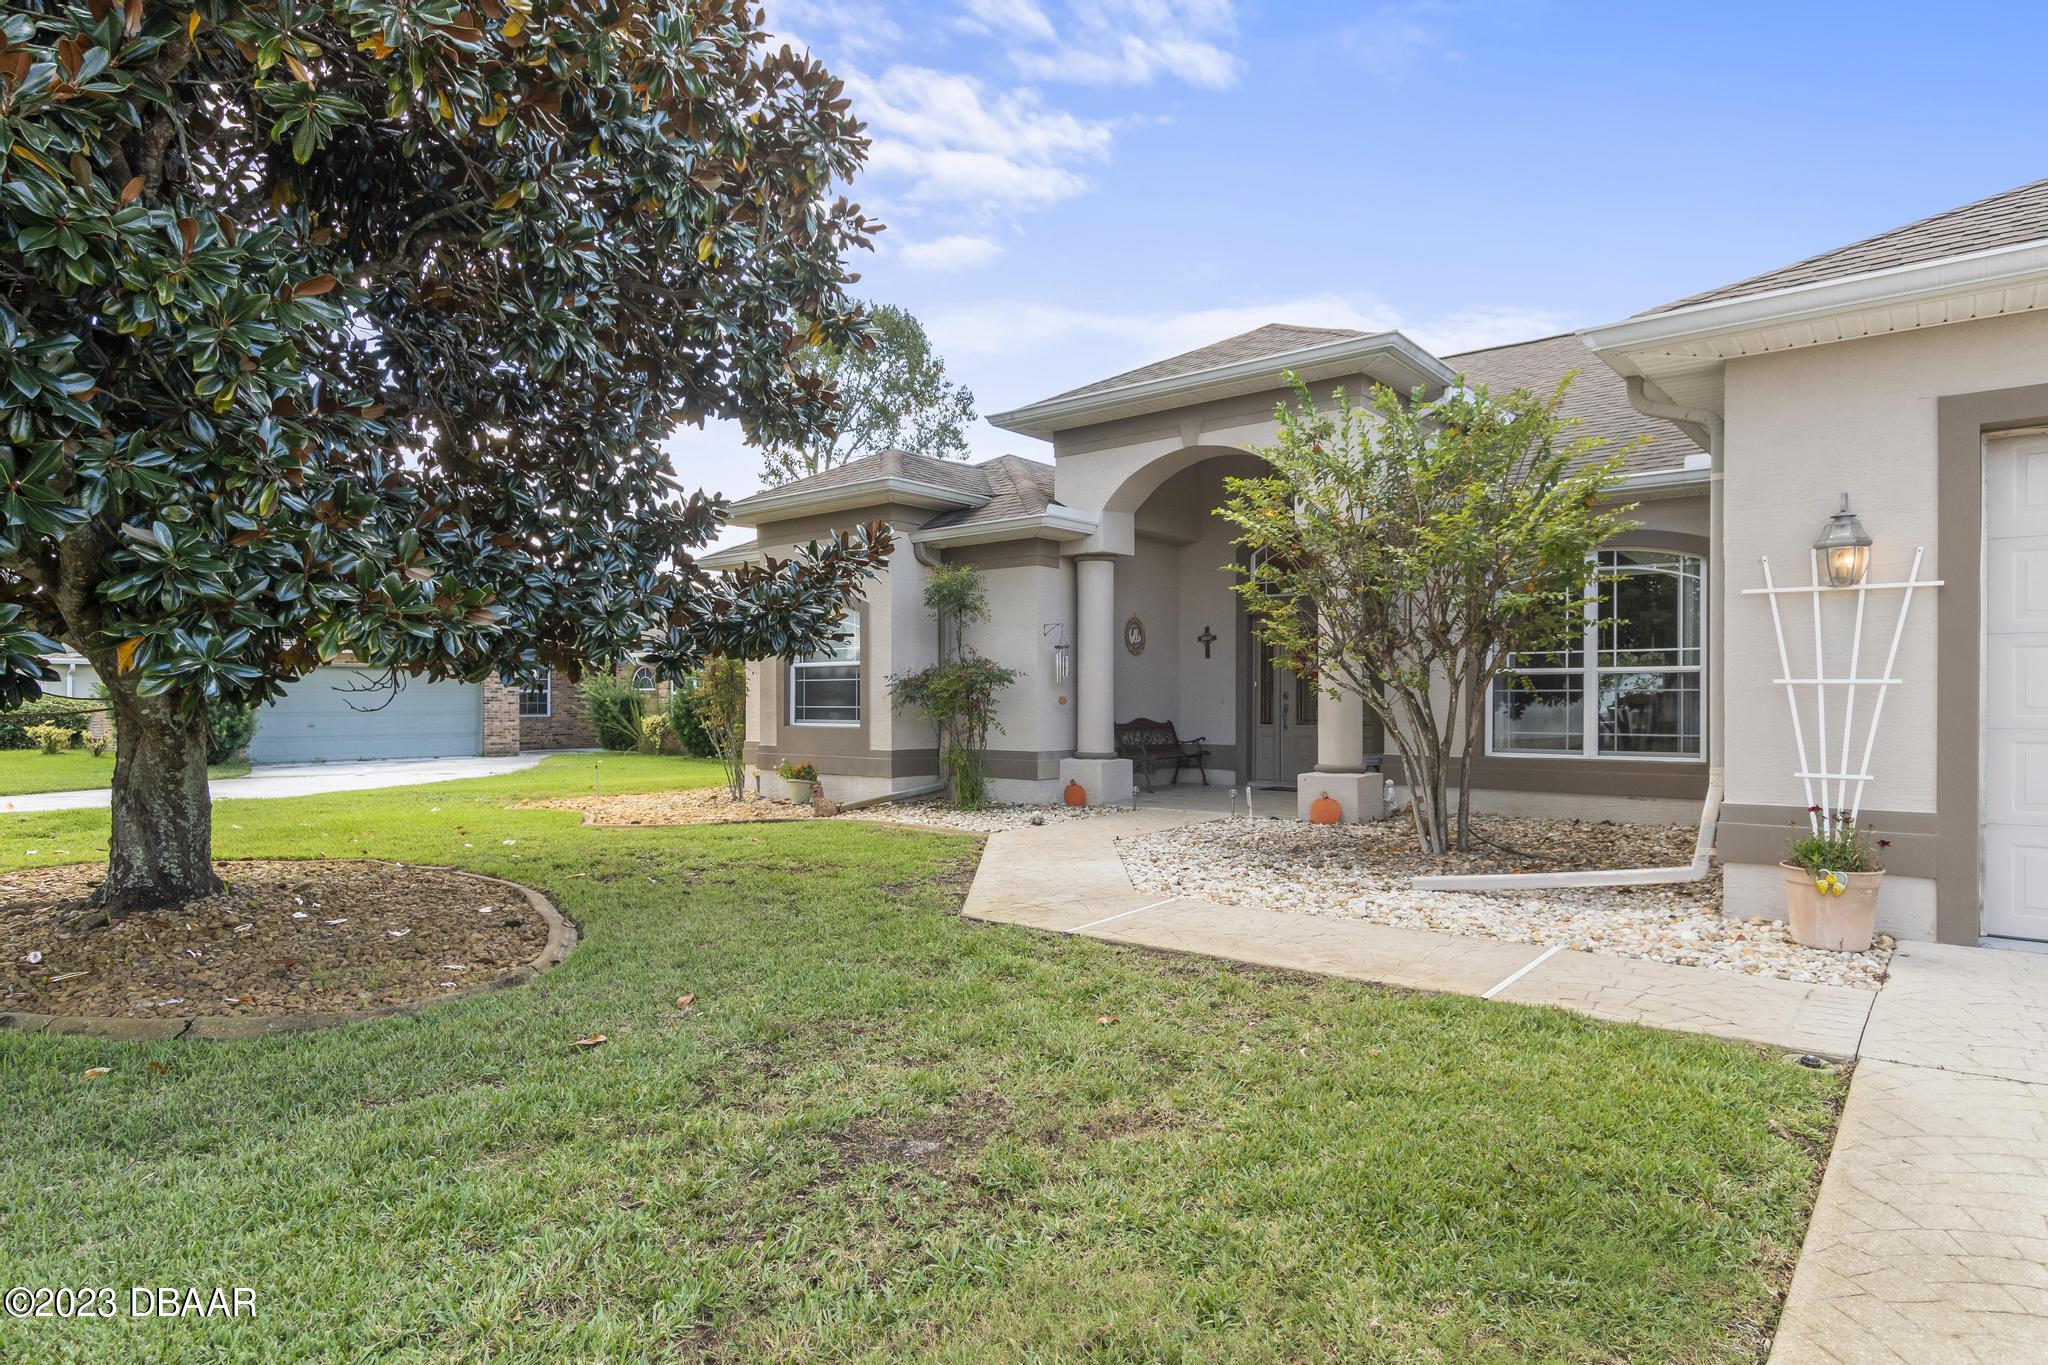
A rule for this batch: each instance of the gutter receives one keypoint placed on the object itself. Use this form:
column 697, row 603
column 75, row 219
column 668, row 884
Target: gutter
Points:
column 1696, row 422
column 886, row 488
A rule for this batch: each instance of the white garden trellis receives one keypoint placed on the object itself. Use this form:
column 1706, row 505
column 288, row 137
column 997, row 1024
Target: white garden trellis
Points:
column 1849, row 783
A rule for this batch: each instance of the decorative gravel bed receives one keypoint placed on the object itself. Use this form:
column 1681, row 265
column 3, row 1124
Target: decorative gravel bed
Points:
column 1362, row 872
column 693, row 806
column 988, row 820
column 282, row 938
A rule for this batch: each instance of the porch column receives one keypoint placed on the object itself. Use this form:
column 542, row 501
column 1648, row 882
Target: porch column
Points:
column 1103, row 776
column 1342, row 727
column 1095, row 657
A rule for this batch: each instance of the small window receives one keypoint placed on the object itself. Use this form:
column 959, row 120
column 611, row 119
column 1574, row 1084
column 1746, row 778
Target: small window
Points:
column 643, row 678
column 824, row 688
column 1630, row 687
column 537, row 698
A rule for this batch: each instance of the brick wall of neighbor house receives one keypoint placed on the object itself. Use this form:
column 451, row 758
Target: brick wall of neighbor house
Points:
column 501, row 718
column 566, row 726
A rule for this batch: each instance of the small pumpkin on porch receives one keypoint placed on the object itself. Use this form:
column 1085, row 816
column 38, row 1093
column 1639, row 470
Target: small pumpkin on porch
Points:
column 1075, row 794
column 1324, row 810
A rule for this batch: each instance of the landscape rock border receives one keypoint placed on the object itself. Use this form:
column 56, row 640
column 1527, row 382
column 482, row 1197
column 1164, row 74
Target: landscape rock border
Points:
column 562, row 938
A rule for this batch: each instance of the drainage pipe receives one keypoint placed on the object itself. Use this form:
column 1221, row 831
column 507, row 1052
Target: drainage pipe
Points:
column 1699, row 423
column 890, row 798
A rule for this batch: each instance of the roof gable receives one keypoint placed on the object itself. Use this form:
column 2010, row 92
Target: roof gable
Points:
column 1275, row 338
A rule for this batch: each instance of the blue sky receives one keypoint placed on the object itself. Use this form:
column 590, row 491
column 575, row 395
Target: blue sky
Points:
column 1075, row 187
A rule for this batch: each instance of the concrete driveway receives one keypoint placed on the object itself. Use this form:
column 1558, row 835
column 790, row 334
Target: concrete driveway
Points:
column 306, row 779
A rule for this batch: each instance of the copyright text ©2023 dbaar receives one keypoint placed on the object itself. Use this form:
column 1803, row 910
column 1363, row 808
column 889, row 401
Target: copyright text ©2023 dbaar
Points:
column 131, row 1301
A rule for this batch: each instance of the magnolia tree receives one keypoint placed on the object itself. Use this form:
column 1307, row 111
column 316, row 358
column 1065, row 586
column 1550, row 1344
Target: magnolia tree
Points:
column 1400, row 550
column 353, row 328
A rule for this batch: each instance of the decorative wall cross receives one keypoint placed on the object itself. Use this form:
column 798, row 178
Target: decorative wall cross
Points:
column 1205, row 639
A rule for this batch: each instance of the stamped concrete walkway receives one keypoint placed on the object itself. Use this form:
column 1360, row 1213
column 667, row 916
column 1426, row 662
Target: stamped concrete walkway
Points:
column 1066, row 876
column 1929, row 1241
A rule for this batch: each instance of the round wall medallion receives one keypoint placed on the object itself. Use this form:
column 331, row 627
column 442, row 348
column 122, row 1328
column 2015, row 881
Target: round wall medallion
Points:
column 1134, row 635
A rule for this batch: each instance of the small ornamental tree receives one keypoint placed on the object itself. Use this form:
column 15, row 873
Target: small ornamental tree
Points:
column 718, row 699
column 958, row 692
column 893, row 393
column 1401, row 550
column 354, row 327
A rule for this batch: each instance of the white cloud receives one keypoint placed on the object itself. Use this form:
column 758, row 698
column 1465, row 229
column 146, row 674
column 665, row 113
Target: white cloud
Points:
column 1399, row 37
column 1008, row 19
column 1475, row 329
column 942, row 255
column 1009, row 326
column 956, row 141
column 1130, row 42
column 857, row 27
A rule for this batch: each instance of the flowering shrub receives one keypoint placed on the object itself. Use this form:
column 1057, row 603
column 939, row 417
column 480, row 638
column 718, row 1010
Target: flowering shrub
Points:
column 1839, row 846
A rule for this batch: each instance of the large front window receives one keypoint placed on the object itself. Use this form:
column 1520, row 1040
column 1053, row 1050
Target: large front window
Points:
column 824, row 688
column 1630, row 687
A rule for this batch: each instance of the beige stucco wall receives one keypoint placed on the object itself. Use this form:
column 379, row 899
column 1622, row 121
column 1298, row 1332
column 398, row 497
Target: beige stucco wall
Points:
column 1803, row 428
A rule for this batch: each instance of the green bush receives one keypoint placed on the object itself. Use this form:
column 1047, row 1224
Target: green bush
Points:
column 96, row 745
column 615, row 708
column 691, row 736
column 51, row 739
column 72, row 713
column 657, row 736
column 228, row 730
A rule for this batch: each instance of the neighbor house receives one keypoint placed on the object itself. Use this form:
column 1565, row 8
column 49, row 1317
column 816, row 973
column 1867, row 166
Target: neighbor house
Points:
column 1909, row 372
column 339, row 713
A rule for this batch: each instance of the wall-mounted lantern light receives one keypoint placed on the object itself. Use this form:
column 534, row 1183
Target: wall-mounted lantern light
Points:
column 1845, row 545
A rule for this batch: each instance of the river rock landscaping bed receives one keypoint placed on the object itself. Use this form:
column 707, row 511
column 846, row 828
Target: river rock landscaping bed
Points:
column 1363, row 872
column 989, row 819
column 282, row 938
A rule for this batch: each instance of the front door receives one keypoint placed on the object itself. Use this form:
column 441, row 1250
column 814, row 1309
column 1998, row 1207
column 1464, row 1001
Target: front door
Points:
column 1283, row 720
column 2015, row 740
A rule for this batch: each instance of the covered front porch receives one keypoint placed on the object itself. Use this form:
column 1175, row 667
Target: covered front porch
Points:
column 1160, row 635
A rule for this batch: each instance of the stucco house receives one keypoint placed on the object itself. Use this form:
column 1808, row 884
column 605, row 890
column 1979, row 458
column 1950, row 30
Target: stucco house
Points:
column 1909, row 371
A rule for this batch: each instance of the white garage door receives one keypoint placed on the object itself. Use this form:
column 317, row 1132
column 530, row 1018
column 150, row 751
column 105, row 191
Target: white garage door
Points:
column 320, row 720
column 2015, row 755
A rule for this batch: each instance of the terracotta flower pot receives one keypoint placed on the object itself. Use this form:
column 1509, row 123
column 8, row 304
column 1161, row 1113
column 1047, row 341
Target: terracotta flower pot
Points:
column 1075, row 794
column 1841, row 924
column 1324, row 810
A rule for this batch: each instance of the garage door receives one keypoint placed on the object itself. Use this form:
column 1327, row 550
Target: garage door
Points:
column 321, row 720
column 2015, row 753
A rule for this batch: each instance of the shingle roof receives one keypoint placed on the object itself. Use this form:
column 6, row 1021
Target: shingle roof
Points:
column 1598, row 397
column 898, row 464
column 1017, row 488
column 2008, row 219
column 1275, row 338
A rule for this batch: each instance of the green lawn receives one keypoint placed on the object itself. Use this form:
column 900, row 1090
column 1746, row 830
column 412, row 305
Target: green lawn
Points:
column 23, row 771
column 1246, row 1165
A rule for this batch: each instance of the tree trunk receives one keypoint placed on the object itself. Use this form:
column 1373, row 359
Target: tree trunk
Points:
column 162, row 847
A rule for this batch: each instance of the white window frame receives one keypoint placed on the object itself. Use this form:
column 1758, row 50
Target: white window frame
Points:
column 653, row 682
column 1590, row 670
column 547, row 695
column 852, row 625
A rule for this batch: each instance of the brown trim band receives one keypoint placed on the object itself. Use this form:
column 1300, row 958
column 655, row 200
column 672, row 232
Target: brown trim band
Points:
column 1962, row 421
column 1764, row 834
column 1033, row 553
column 882, row 763
column 1677, row 781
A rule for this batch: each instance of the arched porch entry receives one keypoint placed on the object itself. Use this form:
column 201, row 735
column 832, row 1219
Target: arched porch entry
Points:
column 1154, row 596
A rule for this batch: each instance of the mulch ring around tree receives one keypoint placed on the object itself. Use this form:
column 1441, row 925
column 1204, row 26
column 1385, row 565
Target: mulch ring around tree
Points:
column 693, row 806
column 285, row 945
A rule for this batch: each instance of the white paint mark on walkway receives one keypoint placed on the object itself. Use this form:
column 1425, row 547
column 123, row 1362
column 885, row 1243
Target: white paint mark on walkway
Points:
column 1125, row 914
column 1527, row 967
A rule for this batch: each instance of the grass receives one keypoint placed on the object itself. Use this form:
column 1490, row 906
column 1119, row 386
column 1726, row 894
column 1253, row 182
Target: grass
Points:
column 25, row 771
column 1245, row 1165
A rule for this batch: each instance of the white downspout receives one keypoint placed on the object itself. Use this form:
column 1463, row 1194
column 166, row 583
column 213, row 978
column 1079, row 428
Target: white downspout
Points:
column 1696, row 420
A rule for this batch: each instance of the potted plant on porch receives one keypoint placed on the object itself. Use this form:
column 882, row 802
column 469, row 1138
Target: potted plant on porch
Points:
column 1831, row 883
column 799, row 776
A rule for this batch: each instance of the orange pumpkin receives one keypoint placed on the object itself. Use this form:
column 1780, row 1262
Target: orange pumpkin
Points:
column 1076, row 794
column 1325, row 811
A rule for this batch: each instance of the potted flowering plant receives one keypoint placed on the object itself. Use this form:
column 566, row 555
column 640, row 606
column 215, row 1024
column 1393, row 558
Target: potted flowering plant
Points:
column 799, row 776
column 1831, row 883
